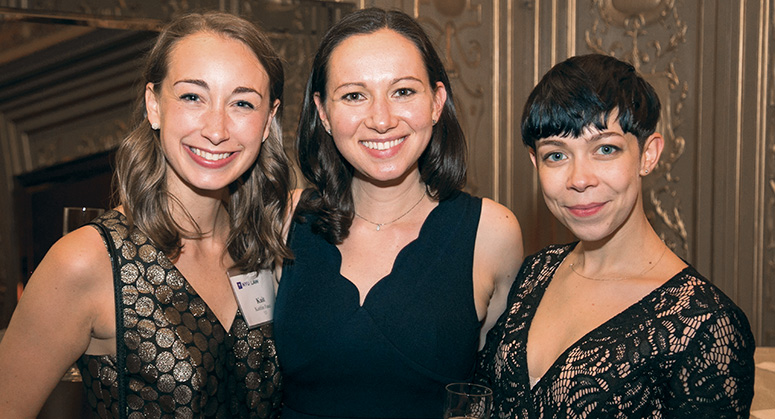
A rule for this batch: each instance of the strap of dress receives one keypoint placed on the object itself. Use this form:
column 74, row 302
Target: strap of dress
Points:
column 120, row 347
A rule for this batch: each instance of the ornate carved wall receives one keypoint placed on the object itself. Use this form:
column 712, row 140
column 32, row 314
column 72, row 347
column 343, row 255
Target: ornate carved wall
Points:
column 712, row 198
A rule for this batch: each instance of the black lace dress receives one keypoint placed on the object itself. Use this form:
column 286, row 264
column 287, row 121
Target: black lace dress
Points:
column 683, row 350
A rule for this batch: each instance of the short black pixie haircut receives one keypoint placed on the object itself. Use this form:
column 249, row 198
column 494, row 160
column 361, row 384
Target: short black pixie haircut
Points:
column 584, row 91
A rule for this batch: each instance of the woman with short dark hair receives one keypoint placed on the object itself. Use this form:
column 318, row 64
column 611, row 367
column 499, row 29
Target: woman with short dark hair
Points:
column 614, row 325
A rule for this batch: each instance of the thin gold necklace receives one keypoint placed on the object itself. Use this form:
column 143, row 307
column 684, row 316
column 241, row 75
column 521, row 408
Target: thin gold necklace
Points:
column 380, row 225
column 645, row 271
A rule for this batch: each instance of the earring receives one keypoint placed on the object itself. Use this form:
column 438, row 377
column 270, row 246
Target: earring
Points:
column 328, row 130
column 647, row 171
column 433, row 121
column 155, row 126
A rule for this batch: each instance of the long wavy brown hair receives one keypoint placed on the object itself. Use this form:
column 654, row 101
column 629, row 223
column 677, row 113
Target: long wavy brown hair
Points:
column 258, row 201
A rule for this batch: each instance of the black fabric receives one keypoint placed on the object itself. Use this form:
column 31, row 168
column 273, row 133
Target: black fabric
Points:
column 684, row 350
column 119, row 362
column 390, row 358
column 173, row 353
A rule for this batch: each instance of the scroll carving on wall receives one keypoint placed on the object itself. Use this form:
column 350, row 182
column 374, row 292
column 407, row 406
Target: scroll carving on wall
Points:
column 451, row 24
column 655, row 33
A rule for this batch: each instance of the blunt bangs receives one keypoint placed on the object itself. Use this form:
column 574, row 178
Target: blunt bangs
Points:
column 585, row 91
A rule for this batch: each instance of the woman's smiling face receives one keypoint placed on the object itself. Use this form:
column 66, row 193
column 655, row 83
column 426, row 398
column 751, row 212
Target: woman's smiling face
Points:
column 591, row 183
column 379, row 104
column 213, row 109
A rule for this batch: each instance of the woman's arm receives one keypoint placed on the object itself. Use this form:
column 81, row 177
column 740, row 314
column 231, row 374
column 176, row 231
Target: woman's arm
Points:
column 715, row 373
column 66, row 307
column 497, row 257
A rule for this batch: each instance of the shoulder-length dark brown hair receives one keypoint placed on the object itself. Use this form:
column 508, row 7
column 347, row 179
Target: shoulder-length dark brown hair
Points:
column 442, row 165
column 258, row 200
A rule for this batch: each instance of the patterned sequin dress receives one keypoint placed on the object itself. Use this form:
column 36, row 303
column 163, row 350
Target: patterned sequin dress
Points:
column 176, row 358
column 684, row 350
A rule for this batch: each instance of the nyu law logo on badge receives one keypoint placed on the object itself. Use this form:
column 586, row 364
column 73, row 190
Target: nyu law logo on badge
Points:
column 241, row 284
column 255, row 294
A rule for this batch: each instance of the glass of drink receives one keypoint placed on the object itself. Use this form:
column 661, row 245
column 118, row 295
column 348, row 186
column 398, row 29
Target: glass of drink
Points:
column 74, row 217
column 467, row 401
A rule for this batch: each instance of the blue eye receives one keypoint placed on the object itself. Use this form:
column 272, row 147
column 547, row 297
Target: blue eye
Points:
column 556, row 156
column 608, row 149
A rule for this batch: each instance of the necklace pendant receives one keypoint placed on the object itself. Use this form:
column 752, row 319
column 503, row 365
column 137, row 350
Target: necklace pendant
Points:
column 379, row 226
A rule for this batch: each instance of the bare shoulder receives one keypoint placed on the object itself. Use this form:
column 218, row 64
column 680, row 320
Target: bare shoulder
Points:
column 74, row 277
column 78, row 259
column 497, row 257
column 76, row 272
column 66, row 305
column 499, row 225
column 295, row 198
column 498, row 240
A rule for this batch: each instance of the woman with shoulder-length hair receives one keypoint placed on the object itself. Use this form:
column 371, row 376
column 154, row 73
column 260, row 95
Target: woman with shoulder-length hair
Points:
column 203, row 185
column 396, row 272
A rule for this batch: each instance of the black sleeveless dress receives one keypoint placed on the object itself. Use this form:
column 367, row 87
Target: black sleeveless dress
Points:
column 416, row 331
column 174, row 358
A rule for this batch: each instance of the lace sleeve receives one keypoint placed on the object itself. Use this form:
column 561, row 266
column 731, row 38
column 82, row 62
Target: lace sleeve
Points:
column 715, row 374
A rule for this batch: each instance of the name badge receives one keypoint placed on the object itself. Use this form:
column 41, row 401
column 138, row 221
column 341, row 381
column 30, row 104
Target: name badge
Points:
column 255, row 295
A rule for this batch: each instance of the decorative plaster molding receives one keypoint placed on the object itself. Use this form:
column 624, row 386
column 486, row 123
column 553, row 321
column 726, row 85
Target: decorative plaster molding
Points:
column 452, row 25
column 653, row 54
column 67, row 145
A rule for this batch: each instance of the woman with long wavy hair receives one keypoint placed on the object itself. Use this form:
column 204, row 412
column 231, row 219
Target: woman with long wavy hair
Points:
column 203, row 186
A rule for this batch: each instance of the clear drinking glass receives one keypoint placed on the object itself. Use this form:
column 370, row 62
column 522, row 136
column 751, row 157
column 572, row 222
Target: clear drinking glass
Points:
column 74, row 217
column 467, row 401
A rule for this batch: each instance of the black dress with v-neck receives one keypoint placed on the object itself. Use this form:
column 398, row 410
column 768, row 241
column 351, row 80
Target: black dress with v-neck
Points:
column 174, row 359
column 416, row 331
column 684, row 350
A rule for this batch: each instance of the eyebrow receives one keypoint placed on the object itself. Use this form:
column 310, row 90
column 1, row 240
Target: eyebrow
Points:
column 603, row 135
column 409, row 78
column 203, row 84
column 392, row 82
column 345, row 85
column 547, row 142
column 597, row 137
